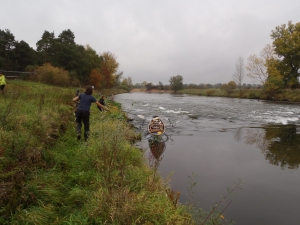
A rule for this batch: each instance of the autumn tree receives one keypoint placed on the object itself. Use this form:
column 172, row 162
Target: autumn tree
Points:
column 275, row 82
column 257, row 65
column 109, row 68
column 286, row 43
column 229, row 87
column 176, row 83
column 239, row 73
column 95, row 78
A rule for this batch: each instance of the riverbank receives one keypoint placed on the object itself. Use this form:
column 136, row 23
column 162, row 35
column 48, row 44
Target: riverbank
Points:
column 149, row 91
column 48, row 177
column 285, row 96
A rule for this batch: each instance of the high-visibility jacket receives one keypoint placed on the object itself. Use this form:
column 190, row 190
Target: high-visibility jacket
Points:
column 2, row 80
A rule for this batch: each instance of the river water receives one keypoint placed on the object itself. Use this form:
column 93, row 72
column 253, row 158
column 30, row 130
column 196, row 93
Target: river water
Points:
column 215, row 143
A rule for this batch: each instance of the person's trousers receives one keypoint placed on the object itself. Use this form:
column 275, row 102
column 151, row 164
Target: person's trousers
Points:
column 83, row 116
column 2, row 88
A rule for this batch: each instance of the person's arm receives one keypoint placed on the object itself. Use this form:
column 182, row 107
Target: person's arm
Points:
column 76, row 99
column 102, row 106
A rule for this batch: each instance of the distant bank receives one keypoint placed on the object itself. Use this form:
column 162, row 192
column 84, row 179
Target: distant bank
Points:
column 150, row 91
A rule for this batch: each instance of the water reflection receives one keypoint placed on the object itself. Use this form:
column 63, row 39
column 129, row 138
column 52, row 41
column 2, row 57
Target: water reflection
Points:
column 280, row 144
column 157, row 148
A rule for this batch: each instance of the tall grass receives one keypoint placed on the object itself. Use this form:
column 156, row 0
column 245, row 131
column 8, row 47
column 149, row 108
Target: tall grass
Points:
column 48, row 177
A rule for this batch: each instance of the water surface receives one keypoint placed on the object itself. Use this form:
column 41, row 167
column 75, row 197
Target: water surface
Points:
column 216, row 142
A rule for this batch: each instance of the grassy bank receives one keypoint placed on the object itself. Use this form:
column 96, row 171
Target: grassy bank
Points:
column 48, row 177
column 286, row 95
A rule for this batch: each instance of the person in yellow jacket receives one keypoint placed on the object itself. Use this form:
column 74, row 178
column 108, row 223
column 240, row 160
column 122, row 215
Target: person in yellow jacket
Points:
column 2, row 83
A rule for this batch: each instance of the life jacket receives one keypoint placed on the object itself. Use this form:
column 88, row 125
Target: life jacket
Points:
column 2, row 80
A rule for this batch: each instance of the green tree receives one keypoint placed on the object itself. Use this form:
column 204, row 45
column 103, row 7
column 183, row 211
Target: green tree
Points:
column 148, row 86
column 7, row 44
column 66, row 37
column 118, row 78
column 92, row 59
column 176, row 83
column 127, row 83
column 64, row 53
column 287, row 46
column 46, row 47
column 23, row 55
column 144, row 83
column 160, row 86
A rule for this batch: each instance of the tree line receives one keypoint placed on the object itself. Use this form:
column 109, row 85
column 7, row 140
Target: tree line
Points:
column 60, row 61
column 277, row 66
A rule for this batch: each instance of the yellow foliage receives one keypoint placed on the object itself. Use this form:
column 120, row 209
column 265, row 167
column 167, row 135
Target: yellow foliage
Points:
column 49, row 74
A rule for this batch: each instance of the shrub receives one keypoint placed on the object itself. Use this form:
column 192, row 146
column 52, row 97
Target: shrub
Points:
column 210, row 92
column 49, row 74
column 252, row 96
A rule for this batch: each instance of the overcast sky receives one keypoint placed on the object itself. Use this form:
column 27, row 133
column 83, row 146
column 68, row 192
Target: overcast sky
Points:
column 154, row 40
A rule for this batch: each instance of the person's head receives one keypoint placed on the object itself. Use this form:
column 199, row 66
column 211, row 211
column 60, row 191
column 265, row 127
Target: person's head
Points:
column 89, row 90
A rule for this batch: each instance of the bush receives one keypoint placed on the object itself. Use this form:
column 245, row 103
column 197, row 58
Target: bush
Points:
column 49, row 74
column 210, row 92
column 253, row 96
column 124, row 87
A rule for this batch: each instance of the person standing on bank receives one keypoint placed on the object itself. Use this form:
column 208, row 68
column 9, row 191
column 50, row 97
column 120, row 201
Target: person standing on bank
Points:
column 2, row 83
column 102, row 102
column 83, row 111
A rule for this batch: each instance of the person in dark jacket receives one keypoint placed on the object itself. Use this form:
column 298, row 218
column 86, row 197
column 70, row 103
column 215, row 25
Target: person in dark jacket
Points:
column 83, row 111
column 102, row 102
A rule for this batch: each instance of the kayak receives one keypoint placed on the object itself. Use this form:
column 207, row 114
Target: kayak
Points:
column 156, row 126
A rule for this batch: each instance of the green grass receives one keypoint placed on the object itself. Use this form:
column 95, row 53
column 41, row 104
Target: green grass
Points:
column 48, row 177
column 287, row 95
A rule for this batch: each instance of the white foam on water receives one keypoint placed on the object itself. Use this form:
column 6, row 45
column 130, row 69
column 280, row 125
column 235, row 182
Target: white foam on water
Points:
column 176, row 112
column 282, row 120
column 139, row 110
column 290, row 113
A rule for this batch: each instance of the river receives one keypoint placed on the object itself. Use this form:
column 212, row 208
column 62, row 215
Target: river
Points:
column 217, row 142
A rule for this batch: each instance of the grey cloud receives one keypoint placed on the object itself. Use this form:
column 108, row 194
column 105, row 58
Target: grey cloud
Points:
column 154, row 40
